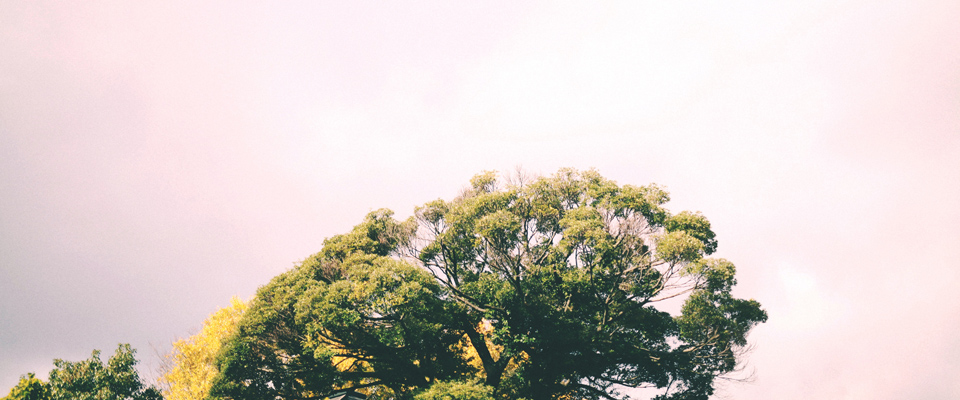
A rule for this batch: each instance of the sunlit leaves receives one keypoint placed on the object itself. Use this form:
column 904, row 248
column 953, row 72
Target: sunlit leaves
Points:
column 484, row 182
column 29, row 388
column 695, row 225
column 500, row 228
column 192, row 360
column 457, row 390
column 717, row 275
column 678, row 247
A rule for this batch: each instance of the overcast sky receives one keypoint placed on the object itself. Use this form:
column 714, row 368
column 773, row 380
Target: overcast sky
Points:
column 157, row 159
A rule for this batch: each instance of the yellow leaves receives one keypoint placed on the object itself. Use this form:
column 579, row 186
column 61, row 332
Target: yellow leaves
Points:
column 192, row 360
column 485, row 328
column 346, row 363
column 343, row 363
column 469, row 353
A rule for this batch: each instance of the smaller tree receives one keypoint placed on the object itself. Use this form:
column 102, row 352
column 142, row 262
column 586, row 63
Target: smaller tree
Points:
column 29, row 388
column 89, row 379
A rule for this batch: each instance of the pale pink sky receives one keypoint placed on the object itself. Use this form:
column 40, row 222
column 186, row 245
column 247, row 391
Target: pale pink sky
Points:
column 157, row 159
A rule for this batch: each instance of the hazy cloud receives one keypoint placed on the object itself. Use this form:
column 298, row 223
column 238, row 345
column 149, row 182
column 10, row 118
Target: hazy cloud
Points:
column 157, row 159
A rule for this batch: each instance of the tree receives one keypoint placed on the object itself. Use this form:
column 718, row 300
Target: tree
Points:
column 90, row 379
column 29, row 388
column 192, row 368
column 538, row 289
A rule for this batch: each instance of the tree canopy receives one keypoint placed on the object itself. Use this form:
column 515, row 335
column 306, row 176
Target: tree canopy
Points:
column 89, row 379
column 546, row 288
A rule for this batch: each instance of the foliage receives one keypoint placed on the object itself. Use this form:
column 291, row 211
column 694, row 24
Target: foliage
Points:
column 29, row 388
column 456, row 390
column 540, row 289
column 90, row 379
column 192, row 360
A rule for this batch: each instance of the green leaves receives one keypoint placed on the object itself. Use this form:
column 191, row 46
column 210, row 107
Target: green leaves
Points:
column 378, row 234
column 457, row 390
column 718, row 320
column 677, row 247
column 90, row 379
column 695, row 225
column 501, row 228
column 717, row 275
column 378, row 320
column 29, row 388
column 484, row 182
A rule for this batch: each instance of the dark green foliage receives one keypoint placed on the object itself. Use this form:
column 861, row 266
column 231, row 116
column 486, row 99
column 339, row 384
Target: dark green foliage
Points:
column 90, row 379
column 550, row 286
column 347, row 317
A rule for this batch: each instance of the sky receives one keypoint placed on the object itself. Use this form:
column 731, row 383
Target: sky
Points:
column 158, row 158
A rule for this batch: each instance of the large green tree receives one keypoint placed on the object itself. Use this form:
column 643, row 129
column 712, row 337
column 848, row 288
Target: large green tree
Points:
column 547, row 288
